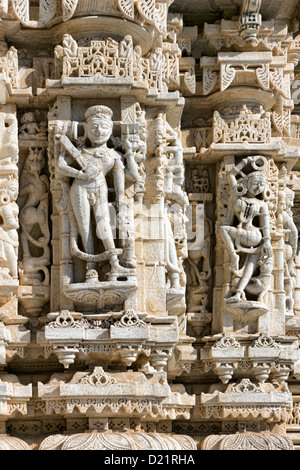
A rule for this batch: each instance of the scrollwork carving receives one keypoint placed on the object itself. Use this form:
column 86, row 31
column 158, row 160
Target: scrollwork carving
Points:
column 130, row 319
column 210, row 80
column 227, row 76
column 98, row 378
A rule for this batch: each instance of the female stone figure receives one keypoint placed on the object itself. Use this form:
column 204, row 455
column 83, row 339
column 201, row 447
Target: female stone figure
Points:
column 89, row 191
column 9, row 213
column 291, row 248
column 249, row 243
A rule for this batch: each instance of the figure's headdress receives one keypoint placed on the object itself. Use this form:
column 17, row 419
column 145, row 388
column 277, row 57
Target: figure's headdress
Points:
column 258, row 169
column 97, row 112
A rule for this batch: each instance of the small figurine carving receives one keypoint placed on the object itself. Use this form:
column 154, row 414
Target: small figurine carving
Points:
column 200, row 182
column 29, row 125
column 70, row 46
column 30, row 129
column 126, row 48
column 200, row 271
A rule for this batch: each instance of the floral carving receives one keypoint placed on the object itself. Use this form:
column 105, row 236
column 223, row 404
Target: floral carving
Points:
column 265, row 341
column 245, row 386
column 130, row 319
column 227, row 341
column 98, row 378
column 65, row 320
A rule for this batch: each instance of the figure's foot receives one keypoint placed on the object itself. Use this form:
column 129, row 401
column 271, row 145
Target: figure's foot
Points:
column 262, row 295
column 91, row 275
column 130, row 264
column 238, row 297
column 118, row 271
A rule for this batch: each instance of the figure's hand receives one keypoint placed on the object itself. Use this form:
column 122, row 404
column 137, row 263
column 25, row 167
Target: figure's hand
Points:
column 131, row 143
column 90, row 173
column 267, row 249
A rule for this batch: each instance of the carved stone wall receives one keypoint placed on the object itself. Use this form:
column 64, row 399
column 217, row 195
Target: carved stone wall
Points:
column 149, row 196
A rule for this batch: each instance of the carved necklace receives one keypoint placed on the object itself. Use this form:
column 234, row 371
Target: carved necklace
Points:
column 99, row 153
column 248, row 211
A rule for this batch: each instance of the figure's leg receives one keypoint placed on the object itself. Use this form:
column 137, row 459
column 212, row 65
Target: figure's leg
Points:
column 291, row 268
column 82, row 213
column 28, row 219
column 103, row 225
column 206, row 259
column 250, row 266
column 127, row 238
column 24, row 243
column 12, row 260
column 228, row 235
column 105, row 234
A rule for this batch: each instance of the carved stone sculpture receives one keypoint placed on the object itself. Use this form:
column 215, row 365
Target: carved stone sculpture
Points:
column 249, row 245
column 89, row 191
column 291, row 247
column 200, row 271
column 8, row 234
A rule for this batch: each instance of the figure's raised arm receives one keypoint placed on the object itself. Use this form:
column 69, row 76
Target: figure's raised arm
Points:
column 63, row 166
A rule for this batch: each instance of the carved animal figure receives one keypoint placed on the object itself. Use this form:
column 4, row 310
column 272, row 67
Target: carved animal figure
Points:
column 34, row 218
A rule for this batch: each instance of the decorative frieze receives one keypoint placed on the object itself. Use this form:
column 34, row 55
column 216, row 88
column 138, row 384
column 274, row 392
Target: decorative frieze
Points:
column 122, row 441
column 246, row 400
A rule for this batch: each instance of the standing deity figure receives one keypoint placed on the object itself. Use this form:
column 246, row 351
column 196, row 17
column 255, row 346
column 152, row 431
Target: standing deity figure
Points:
column 89, row 191
column 291, row 248
column 249, row 242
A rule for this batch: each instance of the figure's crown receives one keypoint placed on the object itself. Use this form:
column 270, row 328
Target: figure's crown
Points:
column 98, row 111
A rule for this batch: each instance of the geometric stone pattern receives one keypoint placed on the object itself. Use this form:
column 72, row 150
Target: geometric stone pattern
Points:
column 149, row 219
